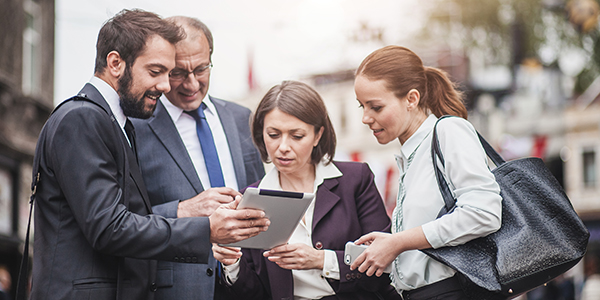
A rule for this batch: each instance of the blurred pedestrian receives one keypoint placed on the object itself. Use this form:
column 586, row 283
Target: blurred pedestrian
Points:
column 402, row 100
column 5, row 283
column 591, row 285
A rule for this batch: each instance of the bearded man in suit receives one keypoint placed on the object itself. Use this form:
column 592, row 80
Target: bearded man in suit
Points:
column 95, row 234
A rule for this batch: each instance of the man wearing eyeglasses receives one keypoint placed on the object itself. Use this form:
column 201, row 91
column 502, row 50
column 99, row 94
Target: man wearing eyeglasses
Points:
column 194, row 147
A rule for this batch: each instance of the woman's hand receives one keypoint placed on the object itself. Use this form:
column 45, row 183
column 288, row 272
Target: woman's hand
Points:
column 296, row 257
column 226, row 255
column 381, row 253
column 385, row 247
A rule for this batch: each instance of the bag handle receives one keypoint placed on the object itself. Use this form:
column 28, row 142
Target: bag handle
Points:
column 24, row 268
column 436, row 154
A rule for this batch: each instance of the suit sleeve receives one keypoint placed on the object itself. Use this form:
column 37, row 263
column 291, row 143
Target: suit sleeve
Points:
column 372, row 217
column 167, row 210
column 84, row 152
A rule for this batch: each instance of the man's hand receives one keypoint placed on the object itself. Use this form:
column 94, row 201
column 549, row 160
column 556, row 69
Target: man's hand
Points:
column 228, row 225
column 205, row 203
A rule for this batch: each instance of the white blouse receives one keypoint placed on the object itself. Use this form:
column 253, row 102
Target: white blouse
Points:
column 308, row 284
column 479, row 207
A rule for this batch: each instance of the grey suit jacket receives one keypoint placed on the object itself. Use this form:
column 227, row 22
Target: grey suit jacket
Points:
column 170, row 176
column 94, row 231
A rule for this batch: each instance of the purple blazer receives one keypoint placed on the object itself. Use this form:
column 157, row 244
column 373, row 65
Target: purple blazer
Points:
column 346, row 208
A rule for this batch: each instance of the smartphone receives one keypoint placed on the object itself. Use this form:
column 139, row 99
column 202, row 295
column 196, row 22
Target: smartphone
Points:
column 352, row 251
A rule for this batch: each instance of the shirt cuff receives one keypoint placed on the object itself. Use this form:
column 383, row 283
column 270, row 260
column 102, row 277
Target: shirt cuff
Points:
column 232, row 272
column 432, row 236
column 331, row 268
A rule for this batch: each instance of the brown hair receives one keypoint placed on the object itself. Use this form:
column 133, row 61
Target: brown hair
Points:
column 303, row 102
column 127, row 33
column 403, row 70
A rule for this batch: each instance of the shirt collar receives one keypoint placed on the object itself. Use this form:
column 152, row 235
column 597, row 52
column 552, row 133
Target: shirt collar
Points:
column 112, row 98
column 175, row 112
column 415, row 140
column 322, row 172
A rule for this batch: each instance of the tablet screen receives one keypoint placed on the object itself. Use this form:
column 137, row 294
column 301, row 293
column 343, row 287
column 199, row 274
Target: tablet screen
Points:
column 284, row 209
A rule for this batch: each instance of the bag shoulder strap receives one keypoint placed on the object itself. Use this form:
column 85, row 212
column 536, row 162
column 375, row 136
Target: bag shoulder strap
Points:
column 436, row 154
column 24, row 267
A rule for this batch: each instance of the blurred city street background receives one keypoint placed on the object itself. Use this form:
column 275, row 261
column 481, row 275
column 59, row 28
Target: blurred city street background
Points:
column 530, row 71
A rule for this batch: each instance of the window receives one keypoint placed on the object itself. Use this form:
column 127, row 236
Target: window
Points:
column 589, row 168
column 32, row 49
column 6, row 202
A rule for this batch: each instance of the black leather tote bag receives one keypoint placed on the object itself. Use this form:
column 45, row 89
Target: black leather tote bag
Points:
column 540, row 238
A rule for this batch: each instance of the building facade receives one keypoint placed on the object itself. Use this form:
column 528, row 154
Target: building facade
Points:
column 26, row 100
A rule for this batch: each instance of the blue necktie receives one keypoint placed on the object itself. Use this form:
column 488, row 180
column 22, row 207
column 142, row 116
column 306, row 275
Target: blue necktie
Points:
column 211, row 158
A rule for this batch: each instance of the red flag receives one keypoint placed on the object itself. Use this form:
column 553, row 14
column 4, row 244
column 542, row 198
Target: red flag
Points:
column 539, row 146
column 251, row 80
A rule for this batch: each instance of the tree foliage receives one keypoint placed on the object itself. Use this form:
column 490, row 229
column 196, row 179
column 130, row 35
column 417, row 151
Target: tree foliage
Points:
column 508, row 31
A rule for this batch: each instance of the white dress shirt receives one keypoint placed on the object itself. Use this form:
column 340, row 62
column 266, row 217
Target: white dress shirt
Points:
column 186, row 126
column 308, row 284
column 112, row 98
column 479, row 207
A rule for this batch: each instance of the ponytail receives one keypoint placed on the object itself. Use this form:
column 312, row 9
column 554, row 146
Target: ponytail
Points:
column 442, row 98
column 403, row 70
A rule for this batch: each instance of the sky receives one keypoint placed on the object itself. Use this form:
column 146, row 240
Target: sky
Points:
column 284, row 39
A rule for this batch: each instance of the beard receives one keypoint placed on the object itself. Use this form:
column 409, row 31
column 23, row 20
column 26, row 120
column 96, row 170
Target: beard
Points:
column 132, row 106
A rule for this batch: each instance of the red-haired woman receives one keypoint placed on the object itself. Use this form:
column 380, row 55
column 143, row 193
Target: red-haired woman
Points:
column 402, row 99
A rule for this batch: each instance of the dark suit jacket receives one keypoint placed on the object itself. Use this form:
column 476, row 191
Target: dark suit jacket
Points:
column 170, row 175
column 94, row 231
column 346, row 208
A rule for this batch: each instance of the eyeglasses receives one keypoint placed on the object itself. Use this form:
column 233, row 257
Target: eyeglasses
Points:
column 179, row 74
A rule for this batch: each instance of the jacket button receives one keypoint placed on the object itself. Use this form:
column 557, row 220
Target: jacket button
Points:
column 319, row 245
column 176, row 259
column 188, row 259
column 194, row 259
column 348, row 277
column 153, row 287
column 209, row 272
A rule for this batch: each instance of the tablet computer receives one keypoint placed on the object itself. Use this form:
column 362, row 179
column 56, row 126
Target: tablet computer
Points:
column 284, row 209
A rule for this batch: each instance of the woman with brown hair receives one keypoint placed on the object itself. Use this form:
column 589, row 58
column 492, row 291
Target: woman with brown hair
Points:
column 402, row 99
column 292, row 130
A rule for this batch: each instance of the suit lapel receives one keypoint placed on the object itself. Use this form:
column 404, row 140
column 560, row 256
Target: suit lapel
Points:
column 326, row 200
column 166, row 132
column 91, row 93
column 233, row 140
column 136, row 174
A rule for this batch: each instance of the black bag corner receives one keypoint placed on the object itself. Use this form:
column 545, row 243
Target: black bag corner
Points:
column 541, row 236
